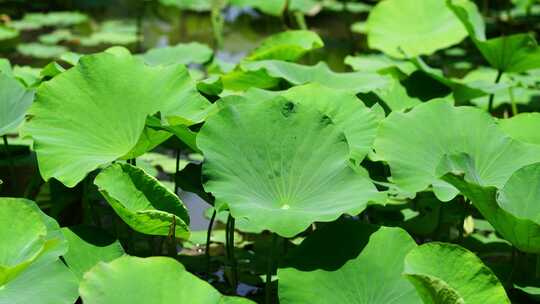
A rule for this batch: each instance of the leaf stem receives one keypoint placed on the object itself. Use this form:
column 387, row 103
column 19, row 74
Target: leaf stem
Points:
column 208, row 241
column 13, row 183
column 492, row 96
column 269, row 271
column 230, row 250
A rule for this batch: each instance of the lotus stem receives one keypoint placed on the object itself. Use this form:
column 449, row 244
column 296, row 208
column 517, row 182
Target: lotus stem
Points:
column 13, row 183
column 176, row 171
column 269, row 271
column 172, row 239
column 300, row 20
column 492, row 96
column 230, row 250
column 208, row 241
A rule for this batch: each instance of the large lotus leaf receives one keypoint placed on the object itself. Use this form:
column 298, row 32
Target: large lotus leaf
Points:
column 142, row 202
column 357, row 121
column 288, row 46
column 95, row 112
column 372, row 274
column 513, row 53
column 409, row 28
column 157, row 280
column 281, row 165
column 184, row 53
column 448, row 274
column 513, row 210
column 414, row 143
column 275, row 7
column 43, row 283
column 14, row 102
column 523, row 127
column 89, row 246
column 354, row 82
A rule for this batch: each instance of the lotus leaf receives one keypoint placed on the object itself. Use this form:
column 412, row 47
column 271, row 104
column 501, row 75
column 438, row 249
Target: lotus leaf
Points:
column 30, row 271
column 348, row 113
column 371, row 274
column 354, row 82
column 286, row 167
column 523, row 127
column 142, row 201
column 414, row 143
column 409, row 28
column 512, row 210
column 130, row 275
column 15, row 100
column 287, row 46
column 184, row 53
column 514, row 53
column 79, row 120
column 89, row 246
column 447, row 274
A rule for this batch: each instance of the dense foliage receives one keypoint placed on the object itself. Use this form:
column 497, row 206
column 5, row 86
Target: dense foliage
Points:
column 408, row 172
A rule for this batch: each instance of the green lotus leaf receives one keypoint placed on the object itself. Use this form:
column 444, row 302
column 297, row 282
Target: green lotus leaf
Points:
column 174, row 284
column 447, row 274
column 183, row 53
column 370, row 270
column 378, row 63
column 507, row 91
column 30, row 271
column 286, row 168
column 354, row 82
column 149, row 139
column 28, row 75
column 463, row 90
column 87, row 247
column 15, row 100
column 194, row 5
column 23, row 236
column 239, row 80
column 287, row 46
column 513, row 53
column 41, row 51
column 111, row 32
column 44, row 283
column 275, row 7
column 523, row 127
column 34, row 21
column 513, row 210
column 357, row 121
column 409, row 28
column 79, row 120
column 142, row 201
column 56, row 37
column 7, row 33
column 414, row 143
